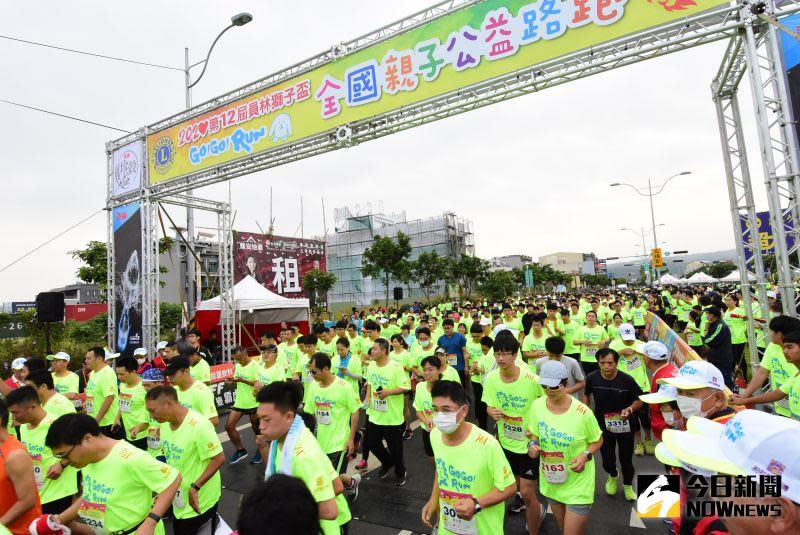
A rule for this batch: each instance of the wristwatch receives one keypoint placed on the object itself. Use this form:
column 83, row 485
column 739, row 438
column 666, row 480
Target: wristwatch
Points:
column 588, row 455
column 478, row 507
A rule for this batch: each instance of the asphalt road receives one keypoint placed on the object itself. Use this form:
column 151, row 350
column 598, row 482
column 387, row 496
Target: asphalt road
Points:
column 383, row 509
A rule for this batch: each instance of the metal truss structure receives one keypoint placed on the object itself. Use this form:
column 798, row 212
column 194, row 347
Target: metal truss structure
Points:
column 753, row 48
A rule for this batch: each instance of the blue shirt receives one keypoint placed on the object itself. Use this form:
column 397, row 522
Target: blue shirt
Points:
column 454, row 345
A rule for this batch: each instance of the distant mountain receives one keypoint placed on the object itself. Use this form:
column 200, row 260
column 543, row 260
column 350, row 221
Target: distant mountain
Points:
column 631, row 272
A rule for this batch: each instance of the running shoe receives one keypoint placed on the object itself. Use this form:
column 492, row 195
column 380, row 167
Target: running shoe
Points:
column 237, row 456
column 638, row 449
column 408, row 434
column 352, row 490
column 649, row 447
column 401, row 480
column 361, row 465
column 629, row 493
column 384, row 471
column 611, row 486
column 256, row 458
column 518, row 505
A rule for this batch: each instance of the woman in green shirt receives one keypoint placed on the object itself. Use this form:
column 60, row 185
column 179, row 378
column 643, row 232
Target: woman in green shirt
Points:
column 694, row 331
column 734, row 317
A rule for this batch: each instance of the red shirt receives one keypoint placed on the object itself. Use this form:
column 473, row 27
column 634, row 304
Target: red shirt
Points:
column 656, row 419
column 8, row 495
column 12, row 383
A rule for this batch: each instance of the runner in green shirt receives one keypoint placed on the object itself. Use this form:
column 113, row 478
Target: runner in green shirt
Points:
column 569, row 327
column 192, row 447
column 199, row 368
column 280, row 423
column 347, row 365
column 150, row 379
column 564, row 436
column 54, row 403
column 119, row 480
column 67, row 383
column 736, row 320
column 191, row 393
column 431, row 372
column 101, row 392
column 246, row 373
column 132, row 411
column 290, row 348
column 56, row 483
column 590, row 338
column 533, row 344
column 473, row 478
column 508, row 392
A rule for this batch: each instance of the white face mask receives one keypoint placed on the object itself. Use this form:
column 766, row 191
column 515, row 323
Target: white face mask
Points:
column 669, row 418
column 141, row 360
column 691, row 406
column 425, row 343
column 446, row 422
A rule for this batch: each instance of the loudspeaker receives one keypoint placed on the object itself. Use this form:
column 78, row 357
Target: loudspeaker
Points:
column 50, row 306
column 398, row 293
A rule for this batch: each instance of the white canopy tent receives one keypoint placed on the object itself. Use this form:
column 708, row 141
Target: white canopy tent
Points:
column 256, row 304
column 734, row 276
column 701, row 278
column 666, row 278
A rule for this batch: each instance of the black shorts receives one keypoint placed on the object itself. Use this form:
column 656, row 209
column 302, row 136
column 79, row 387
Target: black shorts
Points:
column 522, row 465
column 576, row 356
column 339, row 457
column 426, row 442
column 245, row 411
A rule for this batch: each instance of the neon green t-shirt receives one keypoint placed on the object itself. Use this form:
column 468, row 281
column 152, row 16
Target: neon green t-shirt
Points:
column 595, row 335
column 118, row 490
column 33, row 439
column 301, row 369
column 291, row 352
column 188, row 449
column 329, row 348
column 273, row 374
column 633, row 364
column 613, row 332
column 314, row 468
column 332, row 406
column 154, row 438
column 639, row 315
column 68, row 384
column 471, row 469
column 422, row 399
column 474, row 354
column 693, row 338
column 737, row 326
column 58, row 405
column 132, row 409
column 780, row 371
column 387, row 411
column 356, row 345
column 354, row 366
column 389, row 330
column 450, row 374
column 531, row 343
column 404, row 359
column 244, row 392
column 199, row 398
column 201, row 371
column 418, row 353
column 569, row 334
column 102, row 384
column 514, row 400
column 792, row 390
column 562, row 437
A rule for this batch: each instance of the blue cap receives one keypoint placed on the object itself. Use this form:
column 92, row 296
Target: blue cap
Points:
column 153, row 375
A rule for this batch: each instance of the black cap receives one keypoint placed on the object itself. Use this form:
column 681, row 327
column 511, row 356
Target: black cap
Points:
column 176, row 364
column 270, row 347
column 186, row 350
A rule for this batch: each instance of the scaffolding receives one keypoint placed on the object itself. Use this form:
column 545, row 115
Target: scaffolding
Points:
column 447, row 235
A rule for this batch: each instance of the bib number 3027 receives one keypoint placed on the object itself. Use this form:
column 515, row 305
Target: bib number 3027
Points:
column 452, row 522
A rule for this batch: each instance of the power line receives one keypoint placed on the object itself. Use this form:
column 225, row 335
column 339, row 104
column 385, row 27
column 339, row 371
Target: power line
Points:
column 113, row 58
column 51, row 239
column 64, row 116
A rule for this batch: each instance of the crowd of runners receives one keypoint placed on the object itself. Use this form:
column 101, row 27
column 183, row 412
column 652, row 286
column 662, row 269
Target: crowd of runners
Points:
column 516, row 402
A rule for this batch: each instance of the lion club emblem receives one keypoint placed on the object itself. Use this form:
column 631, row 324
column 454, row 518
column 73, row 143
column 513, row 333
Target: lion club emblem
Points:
column 775, row 468
column 674, row 5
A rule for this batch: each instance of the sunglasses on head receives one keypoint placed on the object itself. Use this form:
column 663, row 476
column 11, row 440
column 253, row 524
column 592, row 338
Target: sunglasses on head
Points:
column 559, row 385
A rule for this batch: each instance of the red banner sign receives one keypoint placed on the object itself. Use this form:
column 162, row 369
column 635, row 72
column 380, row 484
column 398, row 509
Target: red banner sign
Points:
column 84, row 312
column 276, row 262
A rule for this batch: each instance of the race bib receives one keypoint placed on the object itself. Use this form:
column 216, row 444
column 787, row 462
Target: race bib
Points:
column 89, row 404
column 94, row 516
column 452, row 359
column 615, row 423
column 783, row 403
column 452, row 523
column 125, row 402
column 513, row 428
column 634, row 362
column 154, row 438
column 380, row 405
column 38, row 471
column 591, row 351
column 308, row 377
column 178, row 502
column 77, row 403
column 324, row 417
column 553, row 466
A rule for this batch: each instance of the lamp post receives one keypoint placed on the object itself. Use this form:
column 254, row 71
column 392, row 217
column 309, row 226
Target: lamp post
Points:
column 191, row 268
column 650, row 194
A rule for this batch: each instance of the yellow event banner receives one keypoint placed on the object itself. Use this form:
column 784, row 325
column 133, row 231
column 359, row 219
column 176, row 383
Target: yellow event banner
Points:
column 475, row 44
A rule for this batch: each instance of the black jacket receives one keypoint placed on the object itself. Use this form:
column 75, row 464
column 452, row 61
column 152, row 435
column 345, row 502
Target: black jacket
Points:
column 718, row 341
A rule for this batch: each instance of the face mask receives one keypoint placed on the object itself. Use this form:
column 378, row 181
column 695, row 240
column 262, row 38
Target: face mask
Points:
column 669, row 418
column 691, row 406
column 140, row 361
column 446, row 422
column 426, row 343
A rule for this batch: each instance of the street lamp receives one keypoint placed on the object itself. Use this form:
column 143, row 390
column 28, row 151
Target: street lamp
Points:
column 191, row 269
column 650, row 194
column 642, row 235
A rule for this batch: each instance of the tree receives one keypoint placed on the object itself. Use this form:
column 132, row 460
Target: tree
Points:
column 469, row 271
column 717, row 270
column 428, row 270
column 544, row 275
column 318, row 283
column 499, row 285
column 385, row 259
column 171, row 315
column 596, row 280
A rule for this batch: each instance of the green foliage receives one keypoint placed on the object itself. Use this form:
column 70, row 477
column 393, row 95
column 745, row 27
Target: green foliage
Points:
column 319, row 283
column 469, row 272
column 596, row 280
column 717, row 270
column 171, row 316
column 386, row 259
column 95, row 269
column 427, row 270
column 546, row 276
column 499, row 285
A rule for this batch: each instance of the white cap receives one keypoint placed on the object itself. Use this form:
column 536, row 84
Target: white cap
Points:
column 751, row 443
column 18, row 363
column 551, row 373
column 111, row 356
column 383, row 320
column 627, row 332
column 665, row 394
column 696, row 374
column 485, row 321
column 59, row 356
column 161, row 345
column 772, row 294
column 656, row 350
column 139, row 351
